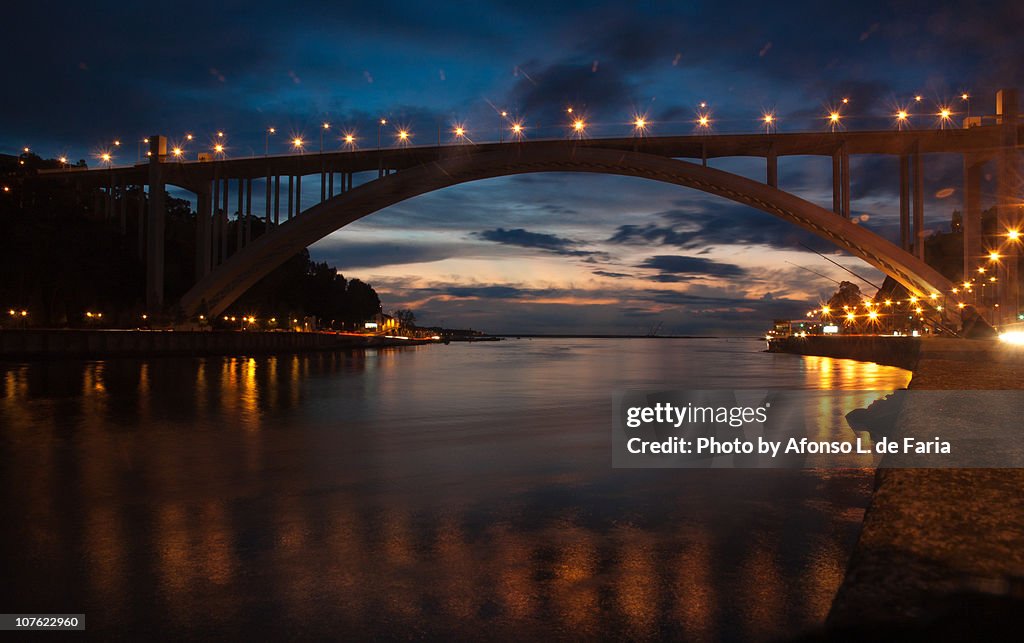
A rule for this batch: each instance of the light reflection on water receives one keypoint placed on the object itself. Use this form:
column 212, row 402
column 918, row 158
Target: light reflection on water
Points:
column 436, row 491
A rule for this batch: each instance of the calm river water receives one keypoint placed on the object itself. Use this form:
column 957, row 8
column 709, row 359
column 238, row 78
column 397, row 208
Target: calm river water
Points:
column 461, row 491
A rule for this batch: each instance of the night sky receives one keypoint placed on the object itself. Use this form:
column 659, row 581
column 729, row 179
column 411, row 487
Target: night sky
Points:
column 545, row 252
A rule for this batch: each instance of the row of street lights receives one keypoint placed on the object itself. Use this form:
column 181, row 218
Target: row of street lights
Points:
column 973, row 286
column 576, row 127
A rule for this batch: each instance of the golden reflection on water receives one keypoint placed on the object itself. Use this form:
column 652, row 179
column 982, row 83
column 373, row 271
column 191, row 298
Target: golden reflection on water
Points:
column 213, row 484
column 828, row 373
column 694, row 588
column 637, row 582
column 765, row 594
column 575, row 583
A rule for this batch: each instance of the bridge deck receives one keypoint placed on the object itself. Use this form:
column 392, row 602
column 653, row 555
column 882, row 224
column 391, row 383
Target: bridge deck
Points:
column 977, row 140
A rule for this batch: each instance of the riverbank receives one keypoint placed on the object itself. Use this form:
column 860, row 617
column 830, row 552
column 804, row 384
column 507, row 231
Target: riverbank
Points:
column 58, row 343
column 941, row 551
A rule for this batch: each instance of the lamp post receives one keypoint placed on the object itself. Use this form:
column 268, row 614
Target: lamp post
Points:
column 266, row 140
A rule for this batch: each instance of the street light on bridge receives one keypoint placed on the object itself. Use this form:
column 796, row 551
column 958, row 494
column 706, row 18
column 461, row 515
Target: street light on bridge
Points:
column 266, row 140
column 902, row 119
column 834, row 118
column 945, row 116
column 380, row 124
column 403, row 136
column 298, row 144
column 768, row 118
column 460, row 132
column 579, row 127
column 350, row 140
column 177, row 152
column 704, row 120
column 218, row 150
column 518, row 131
column 640, row 124
column 323, row 130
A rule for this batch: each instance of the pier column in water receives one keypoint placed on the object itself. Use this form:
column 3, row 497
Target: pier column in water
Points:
column 157, row 216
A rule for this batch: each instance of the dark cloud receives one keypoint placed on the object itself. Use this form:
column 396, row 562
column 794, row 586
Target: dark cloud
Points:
column 483, row 292
column 613, row 275
column 345, row 255
column 538, row 240
column 543, row 94
column 675, row 268
column 720, row 224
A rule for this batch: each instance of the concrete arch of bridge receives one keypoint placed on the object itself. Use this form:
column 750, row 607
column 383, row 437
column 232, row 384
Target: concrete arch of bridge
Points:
column 219, row 289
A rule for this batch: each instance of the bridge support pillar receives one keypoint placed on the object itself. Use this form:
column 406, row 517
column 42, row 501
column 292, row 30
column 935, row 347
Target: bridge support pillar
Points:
column 157, row 215
column 223, row 220
column 248, row 213
column 266, row 205
column 204, row 203
column 141, row 222
column 970, row 218
column 1008, row 211
column 773, row 168
column 844, row 164
column 277, row 199
column 122, row 206
column 298, row 194
column 214, row 219
column 905, row 202
column 291, row 190
column 918, row 205
column 239, row 215
column 837, row 184
column 108, row 213
column 841, row 181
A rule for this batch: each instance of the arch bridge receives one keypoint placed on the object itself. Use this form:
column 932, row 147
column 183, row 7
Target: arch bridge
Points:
column 224, row 273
